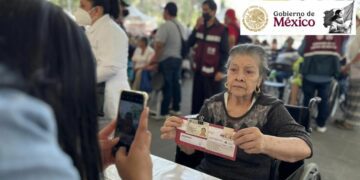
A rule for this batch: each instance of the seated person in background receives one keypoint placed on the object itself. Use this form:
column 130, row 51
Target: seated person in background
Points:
column 141, row 58
column 287, row 56
column 296, row 82
column 54, row 63
column 264, row 128
column 274, row 52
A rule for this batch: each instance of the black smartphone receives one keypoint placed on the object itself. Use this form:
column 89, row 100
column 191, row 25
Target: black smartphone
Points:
column 131, row 105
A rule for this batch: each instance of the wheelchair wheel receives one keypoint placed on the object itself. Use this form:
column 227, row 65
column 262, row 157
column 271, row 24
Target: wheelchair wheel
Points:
column 311, row 172
column 333, row 97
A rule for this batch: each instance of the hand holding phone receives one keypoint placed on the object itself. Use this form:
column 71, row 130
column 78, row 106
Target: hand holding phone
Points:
column 138, row 157
column 131, row 105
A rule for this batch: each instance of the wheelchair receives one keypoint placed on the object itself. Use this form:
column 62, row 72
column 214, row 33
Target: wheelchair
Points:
column 280, row 170
column 279, row 89
column 334, row 97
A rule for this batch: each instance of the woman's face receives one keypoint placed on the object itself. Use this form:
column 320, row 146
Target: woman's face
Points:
column 141, row 43
column 243, row 75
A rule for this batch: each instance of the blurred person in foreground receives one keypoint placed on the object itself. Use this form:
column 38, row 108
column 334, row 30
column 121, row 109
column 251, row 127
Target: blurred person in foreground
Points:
column 48, row 106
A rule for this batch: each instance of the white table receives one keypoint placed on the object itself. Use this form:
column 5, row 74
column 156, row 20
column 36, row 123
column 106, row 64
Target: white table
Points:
column 164, row 169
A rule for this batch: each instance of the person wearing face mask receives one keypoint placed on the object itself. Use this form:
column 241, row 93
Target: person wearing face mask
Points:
column 110, row 46
column 209, row 40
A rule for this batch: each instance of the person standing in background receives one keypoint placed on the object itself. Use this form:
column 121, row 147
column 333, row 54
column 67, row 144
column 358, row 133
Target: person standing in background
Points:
column 351, row 118
column 110, row 46
column 209, row 40
column 233, row 27
column 321, row 64
column 168, row 41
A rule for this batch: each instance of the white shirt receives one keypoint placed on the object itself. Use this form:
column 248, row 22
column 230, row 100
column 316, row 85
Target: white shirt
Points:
column 141, row 60
column 110, row 47
column 352, row 50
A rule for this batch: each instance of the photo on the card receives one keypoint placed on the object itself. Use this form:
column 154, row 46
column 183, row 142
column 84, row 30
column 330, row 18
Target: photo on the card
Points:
column 203, row 132
column 194, row 128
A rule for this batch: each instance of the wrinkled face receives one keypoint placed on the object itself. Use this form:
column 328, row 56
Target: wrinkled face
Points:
column 243, row 75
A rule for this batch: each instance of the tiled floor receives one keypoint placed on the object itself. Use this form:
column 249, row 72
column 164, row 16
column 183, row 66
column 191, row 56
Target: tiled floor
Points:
column 336, row 152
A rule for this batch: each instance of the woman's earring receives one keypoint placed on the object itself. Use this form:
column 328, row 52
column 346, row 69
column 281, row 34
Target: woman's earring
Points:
column 226, row 85
column 257, row 90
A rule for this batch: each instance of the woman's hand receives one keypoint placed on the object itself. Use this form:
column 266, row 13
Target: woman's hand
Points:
column 106, row 144
column 251, row 140
column 186, row 150
column 168, row 130
column 289, row 149
column 137, row 163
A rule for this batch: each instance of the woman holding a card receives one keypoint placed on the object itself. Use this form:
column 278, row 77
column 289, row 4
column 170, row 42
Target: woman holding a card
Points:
column 264, row 129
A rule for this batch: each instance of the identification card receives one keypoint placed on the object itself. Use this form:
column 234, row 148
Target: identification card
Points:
column 209, row 138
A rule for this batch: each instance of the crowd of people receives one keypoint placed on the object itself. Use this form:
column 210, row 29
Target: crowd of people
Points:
column 59, row 77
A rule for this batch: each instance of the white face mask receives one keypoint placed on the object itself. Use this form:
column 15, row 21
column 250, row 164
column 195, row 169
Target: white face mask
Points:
column 82, row 17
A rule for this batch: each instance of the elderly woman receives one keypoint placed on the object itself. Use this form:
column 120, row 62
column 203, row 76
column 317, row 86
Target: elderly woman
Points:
column 264, row 128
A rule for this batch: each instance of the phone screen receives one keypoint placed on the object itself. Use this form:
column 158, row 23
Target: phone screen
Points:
column 131, row 106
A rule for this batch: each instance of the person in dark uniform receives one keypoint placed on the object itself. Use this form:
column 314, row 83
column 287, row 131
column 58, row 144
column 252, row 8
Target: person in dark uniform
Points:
column 209, row 40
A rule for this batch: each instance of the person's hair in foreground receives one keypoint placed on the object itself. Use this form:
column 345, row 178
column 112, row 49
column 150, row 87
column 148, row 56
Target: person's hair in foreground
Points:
column 52, row 56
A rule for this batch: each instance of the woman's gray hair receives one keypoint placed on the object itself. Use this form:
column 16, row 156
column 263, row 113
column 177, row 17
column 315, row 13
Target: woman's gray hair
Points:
column 251, row 50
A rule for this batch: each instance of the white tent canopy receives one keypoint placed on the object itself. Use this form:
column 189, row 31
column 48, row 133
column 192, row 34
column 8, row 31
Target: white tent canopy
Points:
column 139, row 24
